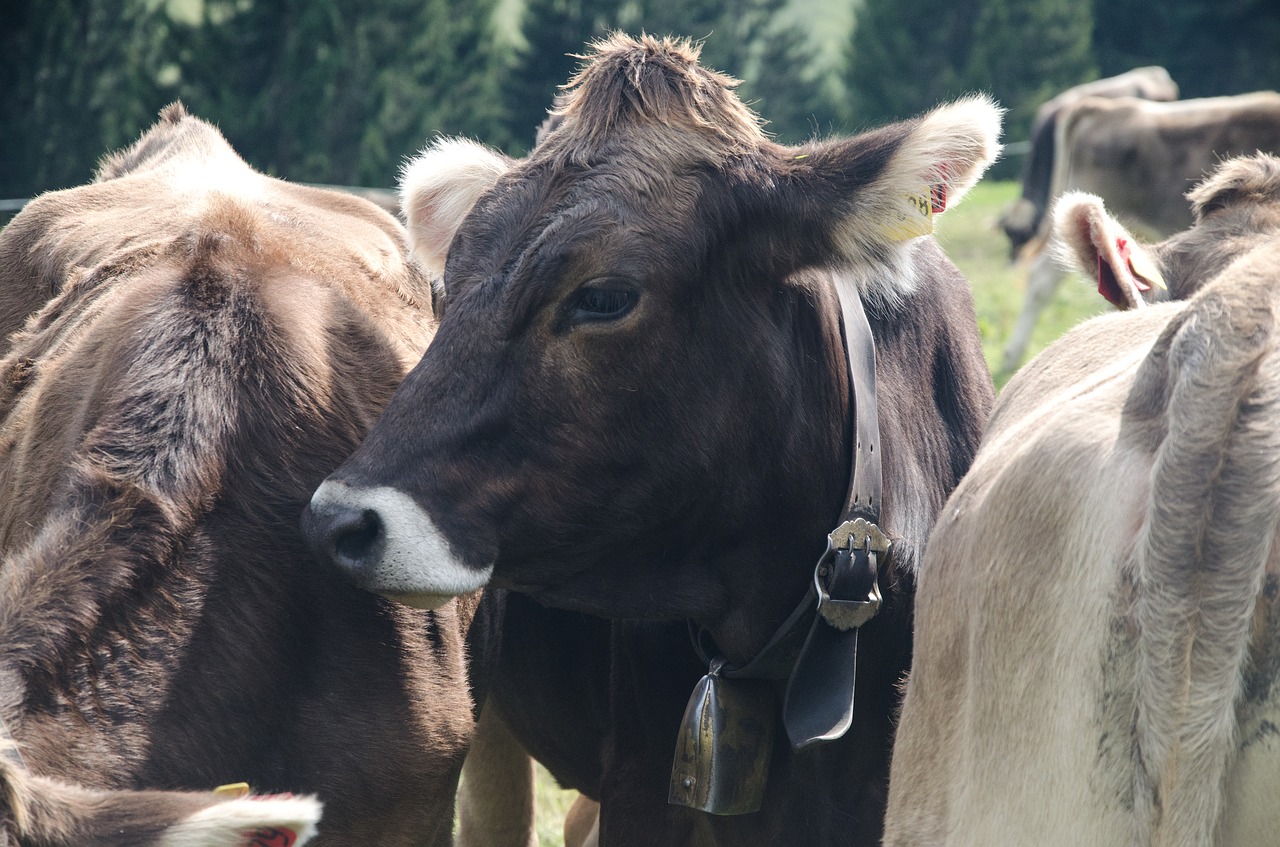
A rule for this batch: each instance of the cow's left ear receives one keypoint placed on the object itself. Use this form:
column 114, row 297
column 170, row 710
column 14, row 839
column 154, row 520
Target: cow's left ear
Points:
column 874, row 194
column 1095, row 243
column 438, row 188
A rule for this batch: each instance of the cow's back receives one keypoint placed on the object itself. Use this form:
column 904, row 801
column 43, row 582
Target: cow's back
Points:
column 1043, row 705
column 208, row 344
column 1143, row 156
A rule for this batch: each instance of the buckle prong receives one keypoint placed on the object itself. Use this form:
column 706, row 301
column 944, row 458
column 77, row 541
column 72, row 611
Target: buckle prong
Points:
column 859, row 534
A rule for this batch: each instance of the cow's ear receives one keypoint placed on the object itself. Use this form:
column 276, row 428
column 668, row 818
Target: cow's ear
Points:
column 278, row 821
column 875, row 194
column 1097, row 245
column 1244, row 179
column 437, row 190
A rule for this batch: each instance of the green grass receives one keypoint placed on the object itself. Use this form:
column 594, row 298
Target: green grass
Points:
column 972, row 238
column 553, row 804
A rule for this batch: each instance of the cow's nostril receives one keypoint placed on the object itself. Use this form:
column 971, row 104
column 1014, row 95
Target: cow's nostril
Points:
column 356, row 539
column 351, row 538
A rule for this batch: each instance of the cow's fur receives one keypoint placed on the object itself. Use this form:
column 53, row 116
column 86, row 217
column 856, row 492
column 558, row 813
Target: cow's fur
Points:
column 1098, row 638
column 206, row 344
column 38, row 811
column 1235, row 209
column 1142, row 157
column 684, row 459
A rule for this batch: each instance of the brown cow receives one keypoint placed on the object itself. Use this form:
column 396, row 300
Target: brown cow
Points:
column 1098, row 615
column 1142, row 158
column 207, row 343
column 1022, row 221
column 637, row 406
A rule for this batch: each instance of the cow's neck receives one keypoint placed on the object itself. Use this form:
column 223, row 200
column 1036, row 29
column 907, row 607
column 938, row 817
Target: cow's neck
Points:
column 771, row 571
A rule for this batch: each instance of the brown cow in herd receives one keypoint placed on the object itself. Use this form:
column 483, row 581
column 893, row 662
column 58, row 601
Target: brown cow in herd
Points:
column 637, row 406
column 1098, row 615
column 206, row 344
column 1022, row 221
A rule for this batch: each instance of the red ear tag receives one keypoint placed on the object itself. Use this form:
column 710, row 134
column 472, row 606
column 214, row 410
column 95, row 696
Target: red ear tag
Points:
column 938, row 192
column 270, row 837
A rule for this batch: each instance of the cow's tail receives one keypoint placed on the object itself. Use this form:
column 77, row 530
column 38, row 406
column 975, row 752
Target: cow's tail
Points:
column 1211, row 385
column 37, row 811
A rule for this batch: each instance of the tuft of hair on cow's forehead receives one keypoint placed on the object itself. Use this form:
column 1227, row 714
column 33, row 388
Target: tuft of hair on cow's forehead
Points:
column 649, row 86
column 1251, row 179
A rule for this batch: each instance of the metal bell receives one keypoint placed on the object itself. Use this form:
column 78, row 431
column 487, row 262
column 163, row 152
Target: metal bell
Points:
column 726, row 738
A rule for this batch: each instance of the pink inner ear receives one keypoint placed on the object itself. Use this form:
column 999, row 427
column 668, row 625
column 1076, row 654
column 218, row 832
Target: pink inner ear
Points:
column 1109, row 286
column 1126, row 258
column 270, row 837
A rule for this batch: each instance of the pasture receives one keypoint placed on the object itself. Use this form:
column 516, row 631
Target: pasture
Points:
column 972, row 238
column 974, row 242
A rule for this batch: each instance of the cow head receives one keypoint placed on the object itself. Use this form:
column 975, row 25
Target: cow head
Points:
column 1234, row 208
column 638, row 369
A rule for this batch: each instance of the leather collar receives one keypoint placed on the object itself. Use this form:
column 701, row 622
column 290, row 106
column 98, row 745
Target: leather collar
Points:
column 815, row 649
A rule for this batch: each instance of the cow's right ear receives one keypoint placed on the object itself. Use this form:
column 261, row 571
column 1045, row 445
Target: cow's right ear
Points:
column 437, row 190
column 861, row 203
column 1095, row 243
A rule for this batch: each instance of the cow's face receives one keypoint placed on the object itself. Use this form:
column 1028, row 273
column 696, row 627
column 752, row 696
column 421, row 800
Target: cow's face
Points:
column 637, row 368
column 1235, row 209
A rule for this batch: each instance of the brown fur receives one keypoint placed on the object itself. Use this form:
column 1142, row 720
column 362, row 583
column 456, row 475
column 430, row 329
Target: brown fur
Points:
column 651, row 84
column 206, row 344
column 685, row 459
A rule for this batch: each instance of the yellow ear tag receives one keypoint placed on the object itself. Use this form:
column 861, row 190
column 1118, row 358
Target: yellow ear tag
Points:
column 1143, row 267
column 912, row 218
column 233, row 790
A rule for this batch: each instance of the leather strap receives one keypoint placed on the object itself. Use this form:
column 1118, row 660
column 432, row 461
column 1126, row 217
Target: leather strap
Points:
column 820, row 671
column 866, row 487
column 818, row 705
column 815, row 649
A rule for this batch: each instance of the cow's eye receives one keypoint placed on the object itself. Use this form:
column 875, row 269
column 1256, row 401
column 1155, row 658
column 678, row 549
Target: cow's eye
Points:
column 602, row 301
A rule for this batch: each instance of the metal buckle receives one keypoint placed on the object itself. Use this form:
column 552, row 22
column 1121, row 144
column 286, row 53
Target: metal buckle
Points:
column 858, row 534
column 855, row 536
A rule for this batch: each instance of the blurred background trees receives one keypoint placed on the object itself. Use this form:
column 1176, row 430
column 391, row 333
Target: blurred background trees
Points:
column 340, row 91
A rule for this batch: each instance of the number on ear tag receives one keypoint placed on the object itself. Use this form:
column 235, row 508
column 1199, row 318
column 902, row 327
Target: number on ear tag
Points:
column 912, row 218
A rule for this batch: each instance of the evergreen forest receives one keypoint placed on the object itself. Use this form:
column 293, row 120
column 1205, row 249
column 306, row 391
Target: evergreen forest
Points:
column 341, row 91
